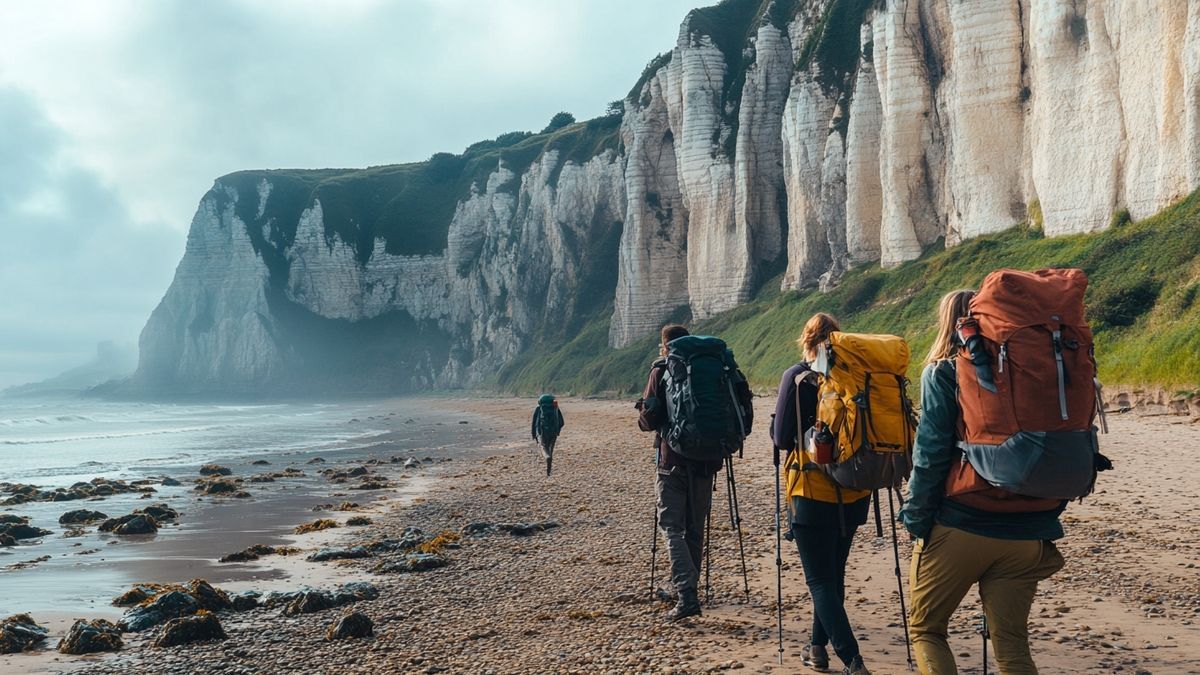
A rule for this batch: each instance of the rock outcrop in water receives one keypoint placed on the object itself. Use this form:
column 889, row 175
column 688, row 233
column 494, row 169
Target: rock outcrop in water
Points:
column 793, row 137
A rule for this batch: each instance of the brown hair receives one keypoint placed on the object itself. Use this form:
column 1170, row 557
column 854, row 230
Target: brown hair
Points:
column 954, row 306
column 816, row 330
column 672, row 331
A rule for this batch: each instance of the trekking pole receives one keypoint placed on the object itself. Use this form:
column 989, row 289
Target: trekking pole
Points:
column 735, row 516
column 900, row 583
column 708, row 547
column 778, row 562
column 984, row 632
column 654, row 552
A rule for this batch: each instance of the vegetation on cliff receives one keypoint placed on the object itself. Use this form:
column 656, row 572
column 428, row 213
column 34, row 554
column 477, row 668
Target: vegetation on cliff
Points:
column 1143, row 304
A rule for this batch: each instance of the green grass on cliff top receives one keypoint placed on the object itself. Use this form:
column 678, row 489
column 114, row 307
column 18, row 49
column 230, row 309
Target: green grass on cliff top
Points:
column 1143, row 304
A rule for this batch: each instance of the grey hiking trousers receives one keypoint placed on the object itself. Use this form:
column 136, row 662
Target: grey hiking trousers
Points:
column 684, row 498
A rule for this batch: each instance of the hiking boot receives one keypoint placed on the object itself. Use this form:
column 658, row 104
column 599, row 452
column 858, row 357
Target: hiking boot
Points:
column 815, row 657
column 688, row 605
column 856, row 667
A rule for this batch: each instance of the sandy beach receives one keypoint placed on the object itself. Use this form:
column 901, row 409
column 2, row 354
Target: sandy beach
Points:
column 574, row 597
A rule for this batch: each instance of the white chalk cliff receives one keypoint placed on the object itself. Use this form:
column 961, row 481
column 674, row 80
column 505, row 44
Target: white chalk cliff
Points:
column 834, row 134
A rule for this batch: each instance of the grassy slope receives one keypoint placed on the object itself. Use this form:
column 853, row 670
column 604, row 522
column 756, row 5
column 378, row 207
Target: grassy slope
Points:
column 1143, row 302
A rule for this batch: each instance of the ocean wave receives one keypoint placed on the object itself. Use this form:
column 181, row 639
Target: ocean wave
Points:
column 105, row 437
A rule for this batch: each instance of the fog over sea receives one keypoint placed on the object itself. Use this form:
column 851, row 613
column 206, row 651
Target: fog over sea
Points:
column 56, row 443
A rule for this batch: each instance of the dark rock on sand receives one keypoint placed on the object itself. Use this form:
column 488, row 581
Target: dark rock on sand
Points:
column 202, row 627
column 136, row 595
column 171, row 482
column 370, row 485
column 352, row 625
column 252, row 553
column 244, row 601
column 89, row 637
column 308, row 601
column 215, row 470
column 164, row 607
column 209, row 598
column 23, row 531
column 134, row 523
column 349, row 553
column 13, row 519
column 159, row 512
column 260, row 462
column 81, row 516
column 316, row 460
column 526, row 529
column 7, row 540
column 262, row 478
column 321, row 524
column 413, row 562
column 19, row 633
column 358, row 471
column 358, row 521
column 218, row 487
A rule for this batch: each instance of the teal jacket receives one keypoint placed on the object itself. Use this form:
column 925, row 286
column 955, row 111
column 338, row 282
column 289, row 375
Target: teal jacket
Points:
column 934, row 451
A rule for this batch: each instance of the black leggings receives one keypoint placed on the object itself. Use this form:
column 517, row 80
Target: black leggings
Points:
column 823, row 552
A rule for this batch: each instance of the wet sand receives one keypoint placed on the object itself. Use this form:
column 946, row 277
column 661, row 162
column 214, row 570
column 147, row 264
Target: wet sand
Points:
column 575, row 598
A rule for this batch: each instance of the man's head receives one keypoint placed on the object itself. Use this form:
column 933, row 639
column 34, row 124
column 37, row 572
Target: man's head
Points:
column 671, row 332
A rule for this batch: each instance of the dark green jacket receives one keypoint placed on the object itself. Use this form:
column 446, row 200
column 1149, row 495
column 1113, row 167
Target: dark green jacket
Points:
column 934, row 452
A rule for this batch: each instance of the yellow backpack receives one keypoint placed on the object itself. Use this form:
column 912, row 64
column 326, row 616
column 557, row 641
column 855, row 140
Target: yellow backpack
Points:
column 863, row 412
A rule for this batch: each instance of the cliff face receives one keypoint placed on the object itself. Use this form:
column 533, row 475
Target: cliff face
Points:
column 794, row 136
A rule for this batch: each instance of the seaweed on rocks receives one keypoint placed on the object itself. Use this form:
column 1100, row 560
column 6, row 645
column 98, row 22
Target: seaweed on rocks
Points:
column 307, row 601
column 161, row 608
column 202, row 627
column 134, row 523
column 89, row 637
column 20, row 632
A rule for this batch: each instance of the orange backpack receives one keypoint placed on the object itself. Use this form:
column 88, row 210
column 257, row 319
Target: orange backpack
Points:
column 1027, row 394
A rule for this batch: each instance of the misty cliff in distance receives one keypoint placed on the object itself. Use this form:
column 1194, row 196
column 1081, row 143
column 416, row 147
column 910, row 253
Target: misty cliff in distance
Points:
column 801, row 137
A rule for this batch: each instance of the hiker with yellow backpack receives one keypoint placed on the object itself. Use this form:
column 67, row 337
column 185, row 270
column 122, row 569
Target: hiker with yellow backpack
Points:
column 844, row 422
column 1006, row 438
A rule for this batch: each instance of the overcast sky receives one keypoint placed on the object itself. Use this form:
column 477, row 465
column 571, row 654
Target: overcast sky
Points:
column 115, row 117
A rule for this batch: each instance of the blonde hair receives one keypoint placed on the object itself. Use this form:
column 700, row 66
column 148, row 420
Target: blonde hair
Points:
column 954, row 306
column 816, row 330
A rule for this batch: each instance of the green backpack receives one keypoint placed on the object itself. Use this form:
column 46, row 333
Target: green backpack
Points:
column 548, row 427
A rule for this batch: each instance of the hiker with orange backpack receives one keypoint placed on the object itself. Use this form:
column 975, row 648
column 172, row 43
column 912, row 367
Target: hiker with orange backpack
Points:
column 1005, row 439
column 823, row 517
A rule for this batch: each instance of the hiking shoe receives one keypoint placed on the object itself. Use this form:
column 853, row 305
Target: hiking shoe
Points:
column 815, row 657
column 856, row 667
column 688, row 605
column 666, row 595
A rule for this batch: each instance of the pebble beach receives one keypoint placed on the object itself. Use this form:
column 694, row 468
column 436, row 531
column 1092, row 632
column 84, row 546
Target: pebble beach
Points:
column 538, row 574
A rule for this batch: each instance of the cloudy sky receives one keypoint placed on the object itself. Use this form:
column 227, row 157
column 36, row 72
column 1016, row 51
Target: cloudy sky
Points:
column 116, row 115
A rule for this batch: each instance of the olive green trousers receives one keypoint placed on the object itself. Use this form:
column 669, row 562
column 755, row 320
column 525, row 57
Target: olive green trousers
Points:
column 944, row 567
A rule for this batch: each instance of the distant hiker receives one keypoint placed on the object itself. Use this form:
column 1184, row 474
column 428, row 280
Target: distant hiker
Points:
column 823, row 516
column 546, row 425
column 1010, row 376
column 699, row 405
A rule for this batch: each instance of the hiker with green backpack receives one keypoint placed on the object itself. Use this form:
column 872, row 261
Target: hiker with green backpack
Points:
column 546, row 425
column 842, row 420
column 1006, row 438
column 699, row 406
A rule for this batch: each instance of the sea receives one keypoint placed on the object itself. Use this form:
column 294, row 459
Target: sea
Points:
column 53, row 443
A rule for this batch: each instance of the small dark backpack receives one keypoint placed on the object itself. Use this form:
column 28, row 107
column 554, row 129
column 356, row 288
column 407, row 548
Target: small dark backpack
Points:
column 706, row 423
column 548, row 417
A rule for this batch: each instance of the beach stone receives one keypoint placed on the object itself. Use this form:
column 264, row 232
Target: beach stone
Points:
column 252, row 553
column 244, row 601
column 207, row 597
column 262, row 478
column 218, row 487
column 19, row 633
column 260, row 462
column 23, row 531
column 89, row 637
column 411, row 463
column 358, row 521
column 203, row 626
column 7, row 540
column 471, row 529
column 352, row 625
column 159, row 512
column 134, row 523
column 349, row 553
column 135, row 595
column 316, row 460
column 81, row 516
column 526, row 529
column 164, row 607
column 358, row 471
column 171, row 482
column 13, row 519
column 215, row 470
column 413, row 562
